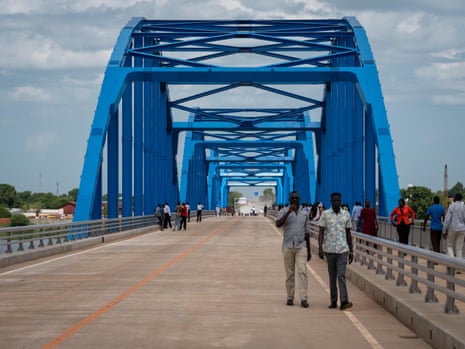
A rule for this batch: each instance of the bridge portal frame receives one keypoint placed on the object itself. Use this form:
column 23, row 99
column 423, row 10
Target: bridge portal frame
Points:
column 353, row 151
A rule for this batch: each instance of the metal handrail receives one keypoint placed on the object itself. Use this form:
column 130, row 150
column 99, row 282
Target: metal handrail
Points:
column 410, row 265
column 30, row 237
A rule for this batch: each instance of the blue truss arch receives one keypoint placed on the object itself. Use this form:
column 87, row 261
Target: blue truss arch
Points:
column 190, row 108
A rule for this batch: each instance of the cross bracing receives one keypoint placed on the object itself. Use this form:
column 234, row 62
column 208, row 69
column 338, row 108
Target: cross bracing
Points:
column 188, row 107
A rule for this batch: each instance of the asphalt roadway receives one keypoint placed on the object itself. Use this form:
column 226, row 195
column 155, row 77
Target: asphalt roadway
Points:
column 220, row 284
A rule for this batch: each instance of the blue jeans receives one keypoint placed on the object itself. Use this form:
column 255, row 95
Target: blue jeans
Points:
column 337, row 263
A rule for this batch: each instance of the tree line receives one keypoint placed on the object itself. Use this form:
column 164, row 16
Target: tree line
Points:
column 419, row 198
column 26, row 200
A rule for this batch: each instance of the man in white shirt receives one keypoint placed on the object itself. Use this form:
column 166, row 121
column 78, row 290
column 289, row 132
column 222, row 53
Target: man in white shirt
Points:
column 454, row 227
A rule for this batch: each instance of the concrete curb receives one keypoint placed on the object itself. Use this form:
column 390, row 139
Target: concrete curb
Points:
column 47, row 251
column 427, row 320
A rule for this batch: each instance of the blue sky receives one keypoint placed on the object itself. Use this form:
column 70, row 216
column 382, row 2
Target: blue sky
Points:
column 55, row 53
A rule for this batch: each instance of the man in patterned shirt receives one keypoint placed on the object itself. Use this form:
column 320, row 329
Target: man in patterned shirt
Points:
column 335, row 242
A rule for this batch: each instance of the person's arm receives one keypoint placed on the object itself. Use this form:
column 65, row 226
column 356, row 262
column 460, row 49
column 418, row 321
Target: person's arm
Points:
column 424, row 222
column 320, row 242
column 307, row 238
column 412, row 213
column 349, row 243
column 280, row 221
column 391, row 216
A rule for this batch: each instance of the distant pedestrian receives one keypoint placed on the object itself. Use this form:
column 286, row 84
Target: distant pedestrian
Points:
column 402, row 217
column 199, row 212
column 368, row 220
column 437, row 213
column 177, row 216
column 355, row 217
column 335, row 243
column 188, row 211
column 295, row 247
column 159, row 215
column 217, row 210
column 454, row 227
column 184, row 216
column 167, row 212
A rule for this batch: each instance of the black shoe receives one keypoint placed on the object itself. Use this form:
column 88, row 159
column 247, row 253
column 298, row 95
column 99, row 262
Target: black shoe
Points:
column 304, row 304
column 290, row 302
column 346, row 305
column 332, row 306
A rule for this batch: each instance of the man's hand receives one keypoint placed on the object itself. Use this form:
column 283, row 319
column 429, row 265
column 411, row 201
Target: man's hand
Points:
column 351, row 257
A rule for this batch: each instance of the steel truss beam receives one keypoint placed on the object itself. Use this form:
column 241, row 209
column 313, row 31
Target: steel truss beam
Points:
column 299, row 98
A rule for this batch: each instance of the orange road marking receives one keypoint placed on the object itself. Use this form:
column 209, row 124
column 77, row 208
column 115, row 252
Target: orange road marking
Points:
column 107, row 307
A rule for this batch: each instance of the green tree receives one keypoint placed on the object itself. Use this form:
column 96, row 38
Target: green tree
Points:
column 233, row 195
column 4, row 212
column 73, row 193
column 457, row 188
column 419, row 199
column 19, row 220
column 268, row 195
column 7, row 195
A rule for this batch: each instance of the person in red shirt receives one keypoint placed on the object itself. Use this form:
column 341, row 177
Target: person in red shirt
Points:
column 402, row 217
column 184, row 215
column 368, row 220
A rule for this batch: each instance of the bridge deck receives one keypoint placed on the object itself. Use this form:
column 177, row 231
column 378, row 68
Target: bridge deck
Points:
column 220, row 284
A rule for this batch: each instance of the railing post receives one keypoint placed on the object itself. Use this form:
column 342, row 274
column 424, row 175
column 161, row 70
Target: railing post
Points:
column 400, row 277
column 430, row 296
column 414, row 283
column 8, row 241
column 450, row 306
column 41, row 241
column 389, row 275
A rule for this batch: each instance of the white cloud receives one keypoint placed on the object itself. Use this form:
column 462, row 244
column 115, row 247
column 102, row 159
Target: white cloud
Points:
column 410, row 24
column 30, row 94
column 40, row 143
column 41, row 52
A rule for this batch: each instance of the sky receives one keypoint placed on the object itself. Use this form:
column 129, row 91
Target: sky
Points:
column 55, row 53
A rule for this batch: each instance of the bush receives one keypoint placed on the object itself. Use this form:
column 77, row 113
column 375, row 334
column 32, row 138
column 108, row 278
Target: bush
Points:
column 19, row 220
column 4, row 212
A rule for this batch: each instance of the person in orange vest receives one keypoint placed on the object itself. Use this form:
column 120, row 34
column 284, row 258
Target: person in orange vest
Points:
column 402, row 217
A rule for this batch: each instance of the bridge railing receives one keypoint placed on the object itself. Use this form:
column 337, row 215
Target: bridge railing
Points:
column 412, row 265
column 35, row 236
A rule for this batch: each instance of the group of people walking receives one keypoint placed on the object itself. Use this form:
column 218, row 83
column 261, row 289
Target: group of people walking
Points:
column 334, row 244
column 335, row 238
column 182, row 215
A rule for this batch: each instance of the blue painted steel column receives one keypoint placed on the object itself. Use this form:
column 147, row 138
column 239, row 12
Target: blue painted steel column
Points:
column 370, row 160
column 150, row 90
column 127, row 152
column 113, row 164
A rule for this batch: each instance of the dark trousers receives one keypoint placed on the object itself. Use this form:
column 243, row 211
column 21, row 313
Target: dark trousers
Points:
column 199, row 215
column 404, row 231
column 337, row 263
column 183, row 223
column 167, row 221
column 436, row 240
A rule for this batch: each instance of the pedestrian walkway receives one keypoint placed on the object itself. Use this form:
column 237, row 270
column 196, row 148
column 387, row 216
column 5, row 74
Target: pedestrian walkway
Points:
column 220, row 284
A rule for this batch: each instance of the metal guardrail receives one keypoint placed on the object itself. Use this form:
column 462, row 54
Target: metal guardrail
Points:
column 412, row 265
column 30, row 237
column 19, row 239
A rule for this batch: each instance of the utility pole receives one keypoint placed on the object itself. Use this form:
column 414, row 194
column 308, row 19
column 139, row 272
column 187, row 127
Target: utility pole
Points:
column 446, row 195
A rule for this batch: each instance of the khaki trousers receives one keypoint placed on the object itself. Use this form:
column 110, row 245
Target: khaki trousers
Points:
column 296, row 259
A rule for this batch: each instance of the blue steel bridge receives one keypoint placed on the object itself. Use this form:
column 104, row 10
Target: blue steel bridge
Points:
column 191, row 108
